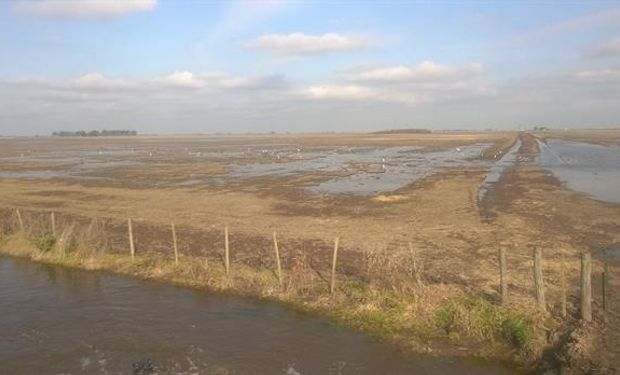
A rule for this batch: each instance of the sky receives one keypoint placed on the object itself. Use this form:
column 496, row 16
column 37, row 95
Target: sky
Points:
column 198, row 66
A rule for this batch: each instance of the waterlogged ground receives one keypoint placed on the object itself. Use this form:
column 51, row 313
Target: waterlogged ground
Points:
column 311, row 189
column 325, row 170
column 68, row 321
column 587, row 168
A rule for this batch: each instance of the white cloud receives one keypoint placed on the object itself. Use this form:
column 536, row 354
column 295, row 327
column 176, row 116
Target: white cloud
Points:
column 275, row 81
column 178, row 81
column 609, row 49
column 599, row 76
column 335, row 91
column 305, row 44
column 184, row 79
column 424, row 71
column 426, row 82
column 83, row 8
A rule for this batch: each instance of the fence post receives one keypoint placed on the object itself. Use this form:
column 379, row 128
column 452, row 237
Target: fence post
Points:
column 503, row 281
column 53, row 220
column 586, row 287
column 604, row 278
column 563, row 303
column 538, row 278
column 334, row 261
column 226, row 251
column 278, row 265
column 20, row 220
column 132, row 248
column 174, row 242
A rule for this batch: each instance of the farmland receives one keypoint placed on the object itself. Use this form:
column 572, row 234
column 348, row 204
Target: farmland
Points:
column 419, row 220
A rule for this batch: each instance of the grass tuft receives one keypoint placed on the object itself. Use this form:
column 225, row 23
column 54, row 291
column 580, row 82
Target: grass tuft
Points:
column 45, row 242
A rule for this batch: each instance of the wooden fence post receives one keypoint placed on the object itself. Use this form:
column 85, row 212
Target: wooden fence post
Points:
column 563, row 303
column 226, row 251
column 53, row 222
column 538, row 278
column 174, row 243
column 503, row 280
column 604, row 278
column 332, row 285
column 132, row 248
column 415, row 265
column 586, row 287
column 20, row 220
column 278, row 265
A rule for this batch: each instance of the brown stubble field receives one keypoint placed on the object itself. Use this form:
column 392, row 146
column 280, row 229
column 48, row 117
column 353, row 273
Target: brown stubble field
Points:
column 455, row 237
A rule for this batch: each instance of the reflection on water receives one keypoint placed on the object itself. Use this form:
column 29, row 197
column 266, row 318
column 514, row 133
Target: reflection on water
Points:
column 362, row 171
column 586, row 168
column 344, row 170
column 397, row 168
column 58, row 320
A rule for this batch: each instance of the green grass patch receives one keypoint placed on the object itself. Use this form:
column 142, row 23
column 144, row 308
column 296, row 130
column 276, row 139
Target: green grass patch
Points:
column 45, row 242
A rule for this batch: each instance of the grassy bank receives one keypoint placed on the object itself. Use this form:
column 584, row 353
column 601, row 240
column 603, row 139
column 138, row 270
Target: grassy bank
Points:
column 431, row 318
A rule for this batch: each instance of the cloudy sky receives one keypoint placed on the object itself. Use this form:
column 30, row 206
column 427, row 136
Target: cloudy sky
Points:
column 173, row 66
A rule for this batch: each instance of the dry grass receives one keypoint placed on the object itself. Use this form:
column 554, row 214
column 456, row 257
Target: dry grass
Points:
column 391, row 300
column 418, row 266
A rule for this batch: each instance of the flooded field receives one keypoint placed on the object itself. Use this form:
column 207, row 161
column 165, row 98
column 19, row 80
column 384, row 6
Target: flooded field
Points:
column 419, row 220
column 59, row 320
column 587, row 168
column 325, row 170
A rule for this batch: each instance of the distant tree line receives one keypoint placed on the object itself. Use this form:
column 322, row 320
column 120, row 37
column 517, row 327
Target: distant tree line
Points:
column 95, row 133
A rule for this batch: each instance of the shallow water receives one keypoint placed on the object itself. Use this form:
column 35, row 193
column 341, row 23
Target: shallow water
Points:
column 367, row 171
column 587, row 168
column 58, row 320
column 498, row 168
column 344, row 170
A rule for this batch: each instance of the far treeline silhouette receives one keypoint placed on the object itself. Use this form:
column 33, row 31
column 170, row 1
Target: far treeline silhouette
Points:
column 95, row 133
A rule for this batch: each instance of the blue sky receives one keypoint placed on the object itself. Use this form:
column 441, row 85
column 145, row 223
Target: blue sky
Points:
column 255, row 66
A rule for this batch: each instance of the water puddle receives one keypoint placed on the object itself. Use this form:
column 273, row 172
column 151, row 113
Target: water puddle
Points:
column 69, row 321
column 587, row 168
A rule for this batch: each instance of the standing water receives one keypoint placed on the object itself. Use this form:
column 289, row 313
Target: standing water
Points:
column 68, row 321
column 587, row 168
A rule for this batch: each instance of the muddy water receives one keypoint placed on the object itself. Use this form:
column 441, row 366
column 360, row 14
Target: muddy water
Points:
column 57, row 320
column 587, row 168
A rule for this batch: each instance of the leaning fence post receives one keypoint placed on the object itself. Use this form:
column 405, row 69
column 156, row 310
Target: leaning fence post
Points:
column 334, row 261
column 538, row 278
column 53, row 221
column 174, row 242
column 20, row 220
column 226, row 251
column 503, row 281
column 132, row 248
column 586, row 287
column 279, row 267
